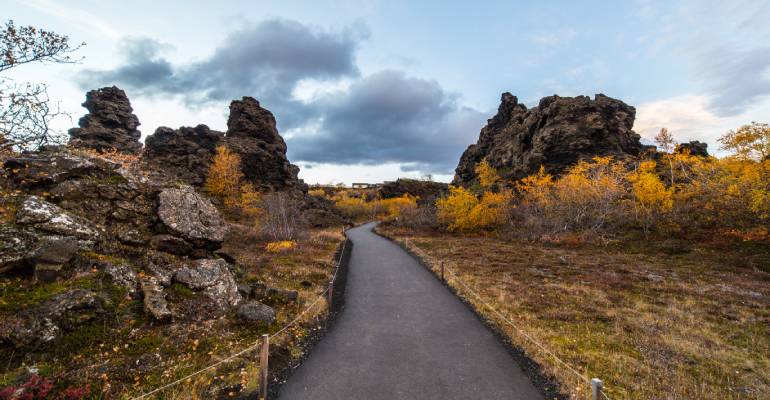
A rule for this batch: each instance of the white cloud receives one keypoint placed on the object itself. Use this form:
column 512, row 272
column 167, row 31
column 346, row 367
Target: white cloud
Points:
column 308, row 90
column 154, row 113
column 332, row 174
column 690, row 117
column 81, row 18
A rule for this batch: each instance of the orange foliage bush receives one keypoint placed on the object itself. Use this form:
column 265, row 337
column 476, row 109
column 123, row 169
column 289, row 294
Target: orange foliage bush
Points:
column 462, row 210
column 224, row 176
column 355, row 206
column 586, row 198
column 488, row 176
column 606, row 197
column 281, row 246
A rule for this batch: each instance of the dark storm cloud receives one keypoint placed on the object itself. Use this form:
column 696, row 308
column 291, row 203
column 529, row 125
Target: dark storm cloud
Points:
column 265, row 61
column 389, row 117
column 145, row 68
column 384, row 117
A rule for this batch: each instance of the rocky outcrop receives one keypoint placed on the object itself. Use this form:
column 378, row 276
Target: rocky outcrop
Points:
column 50, row 239
column 155, row 299
column 52, row 255
column 109, row 124
column 251, row 132
column 126, row 227
column 555, row 134
column 51, row 218
column 192, row 217
column 255, row 312
column 88, row 186
column 62, row 313
column 213, row 279
column 185, row 153
column 694, row 148
column 43, row 169
column 427, row 192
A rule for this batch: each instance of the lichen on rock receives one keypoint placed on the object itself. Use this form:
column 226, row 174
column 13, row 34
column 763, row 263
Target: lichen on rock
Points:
column 191, row 216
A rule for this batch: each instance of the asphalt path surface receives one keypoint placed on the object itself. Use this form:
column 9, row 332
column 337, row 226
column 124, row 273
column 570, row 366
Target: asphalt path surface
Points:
column 403, row 335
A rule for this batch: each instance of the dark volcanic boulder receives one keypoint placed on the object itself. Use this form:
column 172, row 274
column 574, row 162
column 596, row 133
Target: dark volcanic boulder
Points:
column 256, row 313
column 555, row 134
column 109, row 124
column 43, row 169
column 694, row 148
column 251, row 133
column 184, row 153
column 426, row 191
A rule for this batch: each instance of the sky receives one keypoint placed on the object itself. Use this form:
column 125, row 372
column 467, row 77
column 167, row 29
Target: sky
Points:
column 367, row 91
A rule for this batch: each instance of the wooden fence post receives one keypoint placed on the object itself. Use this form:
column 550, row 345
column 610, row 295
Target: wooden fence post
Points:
column 263, row 363
column 596, row 389
column 329, row 294
column 442, row 272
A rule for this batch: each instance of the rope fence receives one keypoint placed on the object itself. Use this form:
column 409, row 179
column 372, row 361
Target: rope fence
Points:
column 263, row 343
column 596, row 385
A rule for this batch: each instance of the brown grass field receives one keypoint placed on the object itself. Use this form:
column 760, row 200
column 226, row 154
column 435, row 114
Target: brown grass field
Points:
column 653, row 321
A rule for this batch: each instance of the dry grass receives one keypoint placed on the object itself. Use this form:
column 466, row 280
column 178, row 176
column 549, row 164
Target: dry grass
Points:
column 690, row 325
column 129, row 354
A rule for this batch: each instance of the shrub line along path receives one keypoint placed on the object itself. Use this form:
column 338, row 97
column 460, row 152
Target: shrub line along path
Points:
column 403, row 335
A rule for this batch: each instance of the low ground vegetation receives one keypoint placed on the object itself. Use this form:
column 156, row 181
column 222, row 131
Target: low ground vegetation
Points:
column 362, row 206
column 659, row 319
column 276, row 215
column 126, row 353
column 651, row 273
column 123, row 351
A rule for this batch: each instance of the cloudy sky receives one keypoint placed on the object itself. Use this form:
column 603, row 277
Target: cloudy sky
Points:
column 373, row 90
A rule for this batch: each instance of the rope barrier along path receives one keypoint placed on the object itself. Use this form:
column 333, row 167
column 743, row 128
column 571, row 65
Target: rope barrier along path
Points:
column 509, row 322
column 254, row 345
column 518, row 330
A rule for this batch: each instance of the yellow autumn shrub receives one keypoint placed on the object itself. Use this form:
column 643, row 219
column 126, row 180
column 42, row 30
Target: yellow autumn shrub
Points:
column 250, row 201
column 651, row 197
column 224, row 176
column 586, row 198
column 462, row 210
column 281, row 246
column 488, row 176
column 393, row 208
column 355, row 208
column 317, row 192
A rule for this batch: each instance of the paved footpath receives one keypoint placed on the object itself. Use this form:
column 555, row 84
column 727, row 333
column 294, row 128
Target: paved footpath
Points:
column 403, row 335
